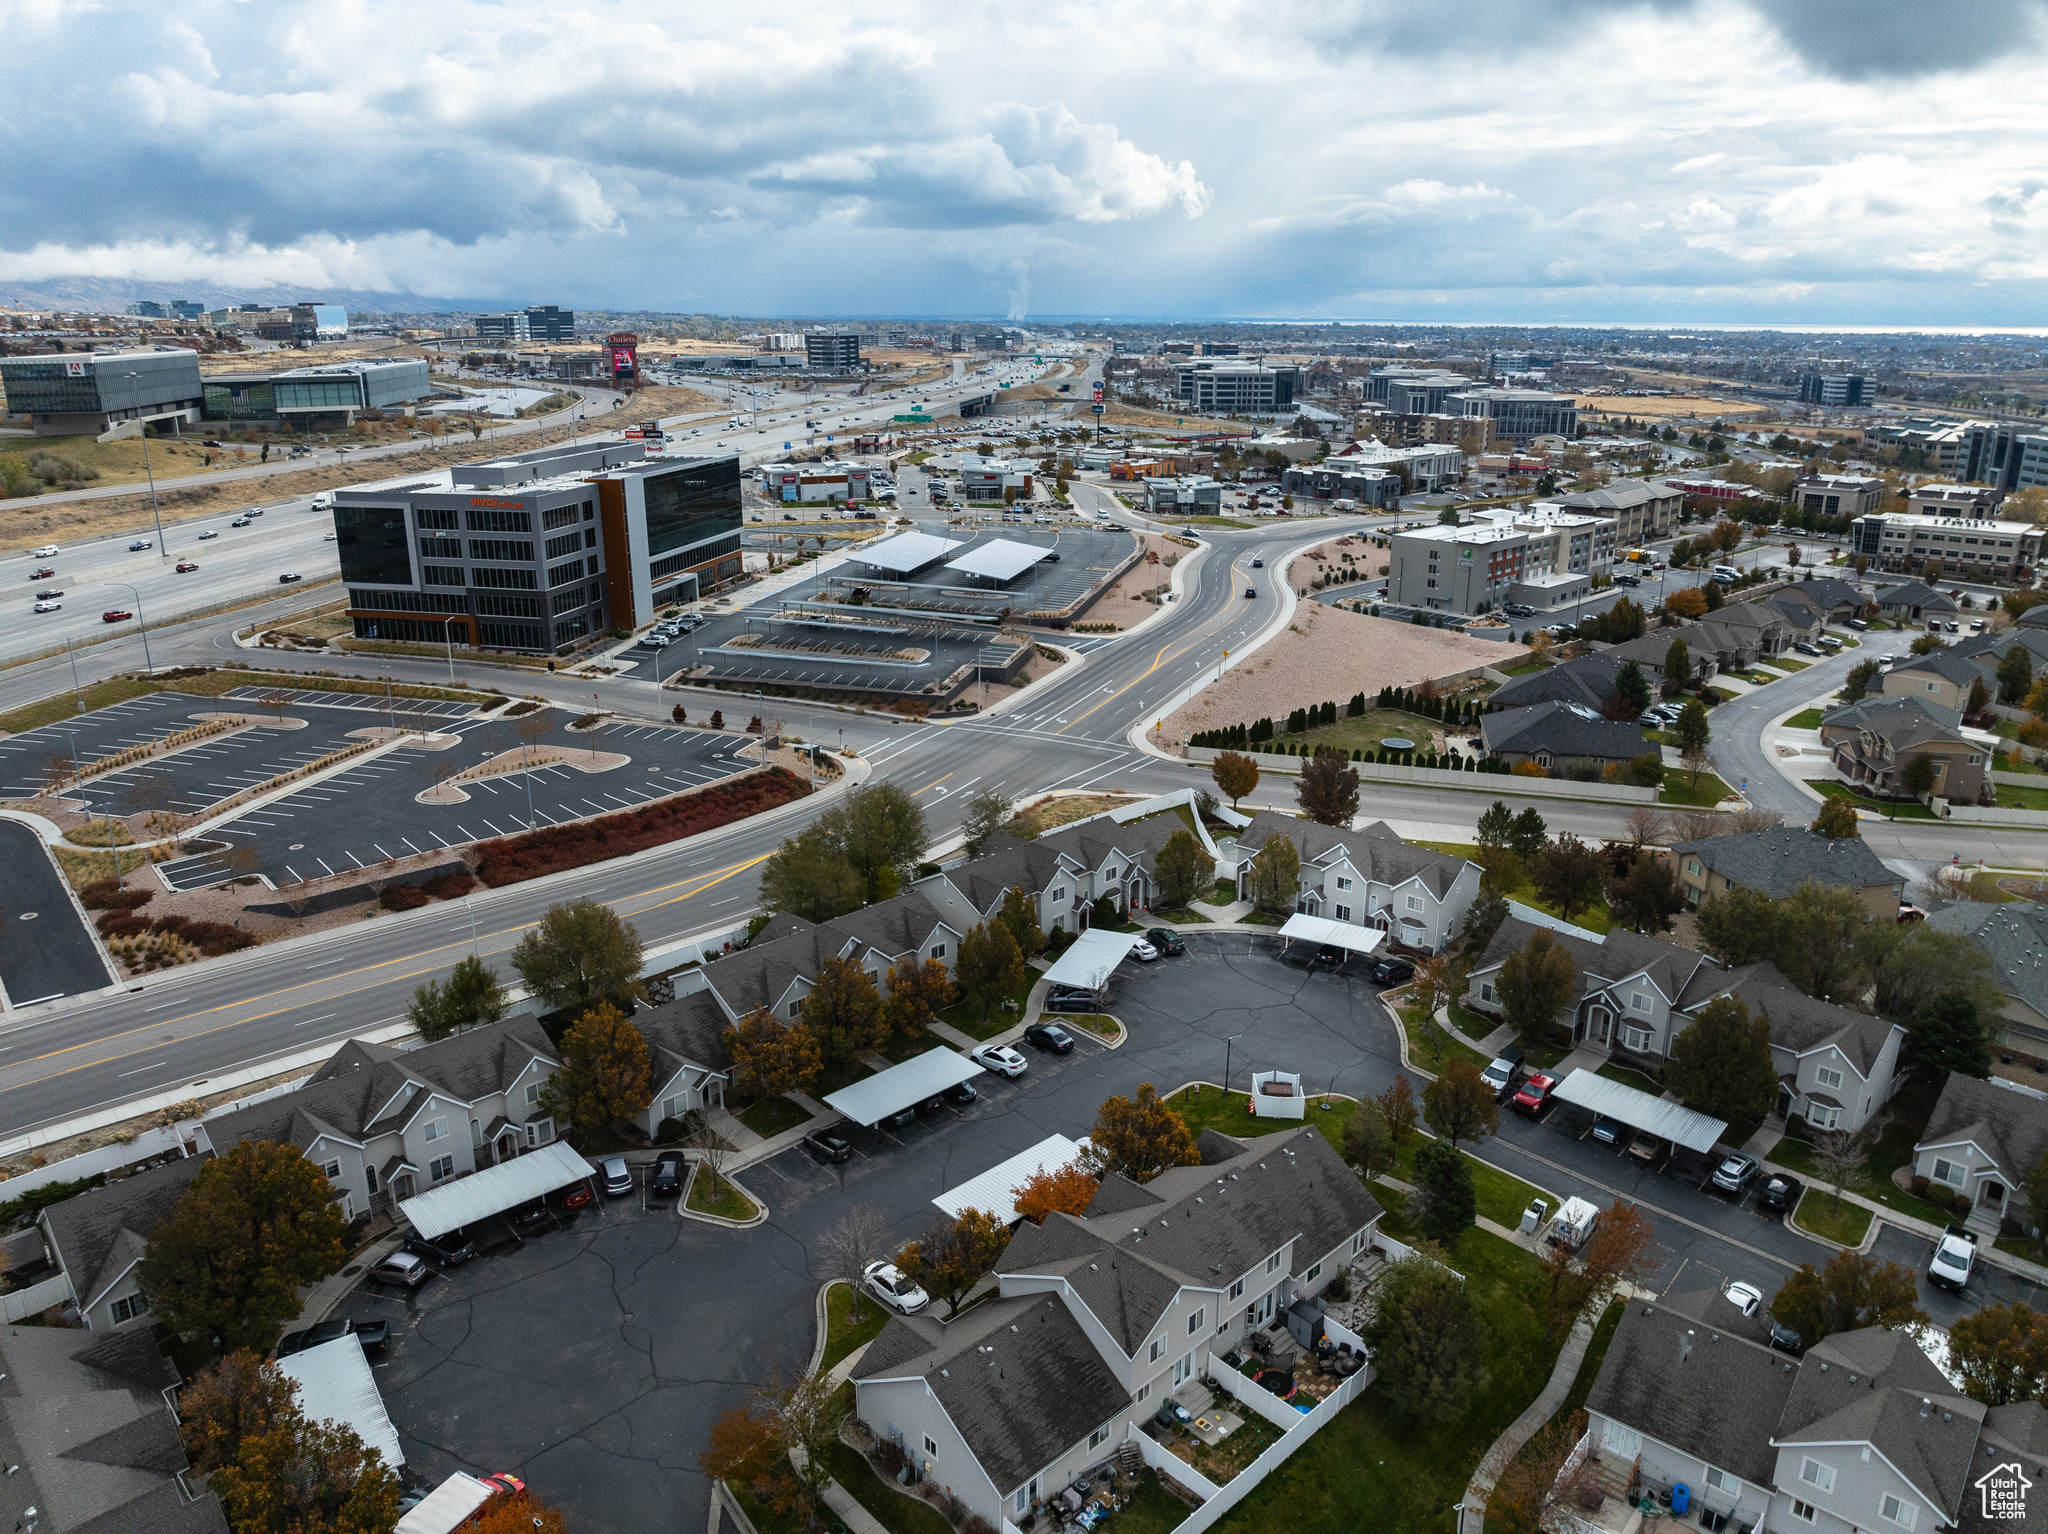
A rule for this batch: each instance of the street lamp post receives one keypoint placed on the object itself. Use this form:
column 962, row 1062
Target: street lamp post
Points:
column 161, row 551
column 1227, row 1046
column 448, row 638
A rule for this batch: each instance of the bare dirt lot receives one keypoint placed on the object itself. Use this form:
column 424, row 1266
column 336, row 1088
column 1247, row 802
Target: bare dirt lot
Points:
column 27, row 521
column 1664, row 406
column 1327, row 655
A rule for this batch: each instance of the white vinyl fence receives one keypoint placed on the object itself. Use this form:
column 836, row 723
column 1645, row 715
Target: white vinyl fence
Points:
column 1446, row 777
column 23, row 1303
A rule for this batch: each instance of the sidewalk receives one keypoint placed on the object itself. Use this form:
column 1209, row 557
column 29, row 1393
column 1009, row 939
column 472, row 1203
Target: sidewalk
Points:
column 331, row 1290
column 840, row 1500
column 1472, row 1511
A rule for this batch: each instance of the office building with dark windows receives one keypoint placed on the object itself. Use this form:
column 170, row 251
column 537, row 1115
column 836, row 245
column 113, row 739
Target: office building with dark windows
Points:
column 81, row 394
column 538, row 551
column 832, row 351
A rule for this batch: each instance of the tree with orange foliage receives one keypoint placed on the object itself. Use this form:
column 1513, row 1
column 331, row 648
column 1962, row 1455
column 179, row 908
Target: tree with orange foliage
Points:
column 1689, row 603
column 518, row 1515
column 1067, row 1189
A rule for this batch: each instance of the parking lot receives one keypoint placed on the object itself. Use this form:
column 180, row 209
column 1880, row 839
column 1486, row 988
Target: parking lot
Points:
column 368, row 812
column 607, row 1340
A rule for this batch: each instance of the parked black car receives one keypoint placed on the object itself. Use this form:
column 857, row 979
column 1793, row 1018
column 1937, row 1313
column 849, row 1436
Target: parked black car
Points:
column 1392, row 972
column 1066, row 999
column 1166, row 940
column 1050, row 1038
column 827, row 1148
column 668, row 1173
column 900, row 1117
column 450, row 1251
column 373, row 1334
column 961, row 1093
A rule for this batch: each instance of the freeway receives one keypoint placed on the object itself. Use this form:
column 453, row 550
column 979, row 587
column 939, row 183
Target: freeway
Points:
column 1076, row 730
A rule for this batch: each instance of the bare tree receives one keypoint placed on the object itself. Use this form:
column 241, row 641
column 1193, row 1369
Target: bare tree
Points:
column 844, row 1251
column 275, row 701
column 712, row 1148
column 296, row 898
column 1543, row 1489
column 57, row 770
column 1645, row 827
column 1838, row 1156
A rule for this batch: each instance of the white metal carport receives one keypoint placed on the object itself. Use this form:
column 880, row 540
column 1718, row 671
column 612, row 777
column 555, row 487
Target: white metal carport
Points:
column 925, row 1076
column 447, row 1507
column 1091, row 958
column 494, row 1190
column 1639, row 1110
column 904, row 553
column 336, row 1385
column 1338, row 934
column 1001, row 559
column 993, row 1189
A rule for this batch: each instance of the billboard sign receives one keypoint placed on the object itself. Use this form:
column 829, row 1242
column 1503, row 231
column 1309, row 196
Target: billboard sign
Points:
column 1098, row 389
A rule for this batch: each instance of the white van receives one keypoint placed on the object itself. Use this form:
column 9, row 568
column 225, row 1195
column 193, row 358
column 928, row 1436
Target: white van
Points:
column 1727, row 573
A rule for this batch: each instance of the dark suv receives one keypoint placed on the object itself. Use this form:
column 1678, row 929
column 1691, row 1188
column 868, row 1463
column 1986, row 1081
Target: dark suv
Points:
column 1392, row 972
column 1166, row 940
column 451, row 1250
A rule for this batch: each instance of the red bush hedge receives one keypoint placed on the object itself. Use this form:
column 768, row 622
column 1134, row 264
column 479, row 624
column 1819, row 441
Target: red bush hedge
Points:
column 403, row 897
column 449, row 886
column 107, row 895
column 511, row 859
column 212, row 938
column 123, row 924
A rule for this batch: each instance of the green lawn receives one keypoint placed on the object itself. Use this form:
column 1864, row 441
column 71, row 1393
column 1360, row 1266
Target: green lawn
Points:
column 1787, row 663
column 1182, row 918
column 1473, row 1025
column 1596, row 918
column 842, row 1333
column 1101, row 1024
column 898, row 1512
column 901, row 1046
column 1527, row 668
column 1225, row 893
column 1892, row 1149
column 1806, row 719
column 2011, row 761
column 728, row 1204
column 1211, row 1108
column 1500, row 1198
column 1366, row 731
column 770, row 1116
column 1629, row 1078
column 2011, row 797
column 1817, row 1212
column 58, row 706
column 765, row 1518
column 1428, row 1045
column 1894, row 809
column 1679, row 788
column 965, row 1014
column 1582, row 1382
column 1375, row 1467
column 1150, row 1508
column 1265, row 918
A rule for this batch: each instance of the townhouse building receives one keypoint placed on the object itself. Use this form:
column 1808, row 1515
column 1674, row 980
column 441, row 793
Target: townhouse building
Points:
column 1635, row 995
column 1369, row 877
column 1873, row 743
column 1099, row 1318
column 1775, row 862
column 1863, row 1432
column 2015, row 935
column 1941, row 676
column 1982, row 1141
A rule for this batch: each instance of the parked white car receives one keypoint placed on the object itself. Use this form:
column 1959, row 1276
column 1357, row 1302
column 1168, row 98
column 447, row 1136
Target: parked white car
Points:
column 894, row 1290
column 1001, row 1059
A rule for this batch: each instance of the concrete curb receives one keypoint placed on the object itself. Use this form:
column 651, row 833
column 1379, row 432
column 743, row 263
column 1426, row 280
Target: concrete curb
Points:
column 823, row 1322
column 684, row 1212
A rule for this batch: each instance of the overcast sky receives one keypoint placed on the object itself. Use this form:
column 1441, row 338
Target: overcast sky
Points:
column 1825, row 161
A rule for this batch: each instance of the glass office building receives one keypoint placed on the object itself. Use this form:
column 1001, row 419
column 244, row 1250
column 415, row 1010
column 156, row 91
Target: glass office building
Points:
column 85, row 393
column 539, row 551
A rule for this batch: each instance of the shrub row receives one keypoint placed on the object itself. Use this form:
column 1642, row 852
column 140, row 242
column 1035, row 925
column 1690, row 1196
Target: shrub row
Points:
column 212, row 938
column 110, row 895
column 403, row 897
column 511, row 859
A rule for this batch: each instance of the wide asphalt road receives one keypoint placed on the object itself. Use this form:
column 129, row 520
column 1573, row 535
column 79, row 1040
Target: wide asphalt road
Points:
column 45, row 948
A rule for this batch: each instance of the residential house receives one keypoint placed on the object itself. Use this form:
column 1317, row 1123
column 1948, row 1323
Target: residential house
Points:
column 91, row 1437
column 1863, row 1432
column 1941, row 676
column 1804, row 621
column 1914, row 602
column 1100, row 1317
column 1654, row 649
column 1743, row 633
column 1875, row 740
column 1637, row 994
column 1369, row 877
column 1553, row 735
column 1588, row 681
column 1837, row 600
column 1777, row 861
column 96, row 1239
column 779, row 968
column 691, row 1067
column 1982, row 1142
column 2015, row 934
column 386, row 1123
column 1836, row 1068
column 1988, row 651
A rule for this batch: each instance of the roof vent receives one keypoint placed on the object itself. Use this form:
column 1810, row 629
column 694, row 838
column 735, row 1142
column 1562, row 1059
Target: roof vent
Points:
column 1013, row 1329
column 1925, row 1406
column 945, row 1374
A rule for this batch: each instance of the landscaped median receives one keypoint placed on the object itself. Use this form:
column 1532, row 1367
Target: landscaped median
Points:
column 719, row 1198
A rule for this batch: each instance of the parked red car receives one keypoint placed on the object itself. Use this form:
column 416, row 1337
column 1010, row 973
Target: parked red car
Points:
column 577, row 1196
column 116, row 615
column 1535, row 1094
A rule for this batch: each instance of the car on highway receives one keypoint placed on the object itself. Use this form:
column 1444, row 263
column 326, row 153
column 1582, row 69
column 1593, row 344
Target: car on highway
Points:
column 1736, row 1172
column 140, row 544
column 1251, row 591
column 1049, row 1038
column 42, row 572
column 405, row 1269
column 1000, row 1059
column 1166, row 940
column 47, row 551
column 1955, row 1255
column 1534, row 1095
column 116, row 615
column 211, row 532
column 186, row 567
column 894, row 1290
column 49, row 593
column 47, row 606
column 240, row 522
column 618, row 1177
column 1258, row 564
column 289, row 578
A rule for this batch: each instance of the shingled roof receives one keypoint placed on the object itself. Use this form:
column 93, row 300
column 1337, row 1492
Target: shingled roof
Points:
column 2014, row 934
column 2007, row 1123
column 1904, row 720
column 1802, row 1023
column 1588, row 680
column 99, row 1234
column 1686, row 978
column 1018, row 1377
column 1565, row 731
column 1777, row 861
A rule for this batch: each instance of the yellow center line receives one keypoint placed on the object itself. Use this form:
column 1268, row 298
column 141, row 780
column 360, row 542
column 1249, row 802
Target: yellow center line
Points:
column 935, row 782
column 708, row 881
column 1161, row 658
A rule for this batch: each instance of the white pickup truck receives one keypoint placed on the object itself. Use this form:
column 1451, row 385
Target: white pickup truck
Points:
column 1954, row 1255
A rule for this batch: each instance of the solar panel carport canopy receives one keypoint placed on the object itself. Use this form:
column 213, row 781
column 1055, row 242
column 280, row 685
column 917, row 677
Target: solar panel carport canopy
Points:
column 867, row 1102
column 1000, row 559
column 905, row 552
